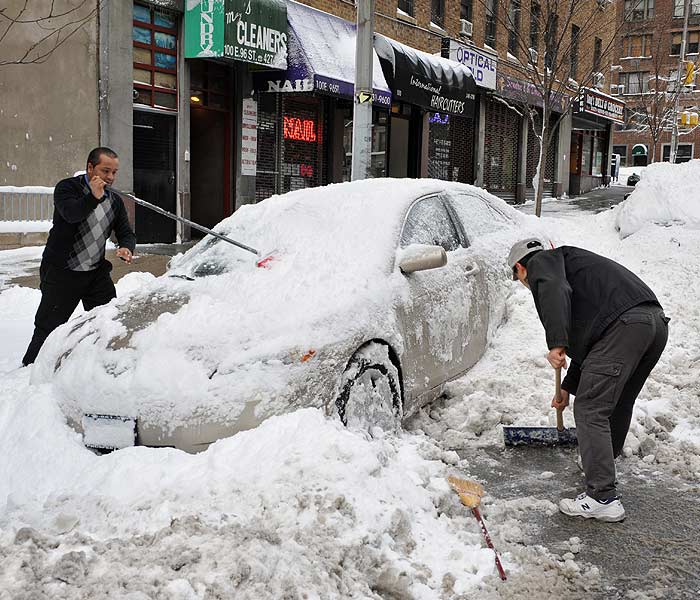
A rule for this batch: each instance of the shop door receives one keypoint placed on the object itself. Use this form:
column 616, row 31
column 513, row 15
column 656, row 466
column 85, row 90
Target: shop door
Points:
column 405, row 135
column 209, row 166
column 154, row 175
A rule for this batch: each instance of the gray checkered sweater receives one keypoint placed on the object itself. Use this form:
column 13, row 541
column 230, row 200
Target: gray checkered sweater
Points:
column 82, row 224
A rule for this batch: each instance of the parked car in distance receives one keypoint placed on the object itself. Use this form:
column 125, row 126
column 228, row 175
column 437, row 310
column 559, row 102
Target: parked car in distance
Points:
column 633, row 179
column 377, row 293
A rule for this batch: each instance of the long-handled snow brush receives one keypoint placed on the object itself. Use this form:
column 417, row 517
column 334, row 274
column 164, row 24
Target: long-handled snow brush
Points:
column 263, row 261
column 470, row 493
column 543, row 436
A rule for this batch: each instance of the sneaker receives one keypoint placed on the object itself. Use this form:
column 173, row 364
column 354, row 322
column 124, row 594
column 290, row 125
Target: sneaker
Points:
column 610, row 510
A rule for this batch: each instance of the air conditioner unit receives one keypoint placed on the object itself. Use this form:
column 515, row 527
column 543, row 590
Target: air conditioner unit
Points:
column 465, row 27
column 598, row 80
column 534, row 56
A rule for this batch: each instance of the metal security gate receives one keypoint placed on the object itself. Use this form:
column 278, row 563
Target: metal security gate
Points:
column 533, row 155
column 501, row 143
column 451, row 148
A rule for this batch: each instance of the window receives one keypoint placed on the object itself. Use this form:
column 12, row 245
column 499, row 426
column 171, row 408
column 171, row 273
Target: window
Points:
column 535, row 14
column 406, row 6
column 622, row 151
column 490, row 29
column 437, row 12
column 691, row 43
column 466, row 10
column 635, row 83
column 513, row 26
column 636, row 45
column 551, row 35
column 679, row 8
column 209, row 84
column 477, row 217
column 639, row 10
column 597, row 53
column 154, row 37
column 573, row 72
column 428, row 222
column 684, row 153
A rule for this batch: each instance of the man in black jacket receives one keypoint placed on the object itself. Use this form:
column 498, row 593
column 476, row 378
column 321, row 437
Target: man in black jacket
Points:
column 73, row 266
column 612, row 327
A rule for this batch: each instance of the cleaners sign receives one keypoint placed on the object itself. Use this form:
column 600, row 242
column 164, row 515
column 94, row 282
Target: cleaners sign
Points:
column 481, row 63
column 253, row 31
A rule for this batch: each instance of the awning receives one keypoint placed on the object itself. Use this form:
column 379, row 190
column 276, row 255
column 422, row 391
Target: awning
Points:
column 321, row 58
column 431, row 82
column 640, row 150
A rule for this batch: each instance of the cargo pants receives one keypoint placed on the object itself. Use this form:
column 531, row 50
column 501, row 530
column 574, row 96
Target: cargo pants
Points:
column 612, row 375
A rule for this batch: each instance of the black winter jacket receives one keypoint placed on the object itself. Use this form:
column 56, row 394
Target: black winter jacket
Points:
column 578, row 294
column 73, row 202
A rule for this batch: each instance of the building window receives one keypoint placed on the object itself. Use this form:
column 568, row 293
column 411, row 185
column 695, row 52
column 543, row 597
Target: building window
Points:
column 597, row 54
column 622, row 151
column 635, row 83
column 684, row 153
column 154, row 36
column 691, row 43
column 679, row 8
column 437, row 12
column 551, row 35
column 575, row 31
column 639, row 10
column 635, row 46
column 490, row 29
column 466, row 10
column 406, row 6
column 513, row 26
column 535, row 13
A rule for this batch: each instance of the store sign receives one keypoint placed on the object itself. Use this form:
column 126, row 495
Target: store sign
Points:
column 598, row 104
column 243, row 30
column 249, row 137
column 482, row 64
column 300, row 130
column 527, row 93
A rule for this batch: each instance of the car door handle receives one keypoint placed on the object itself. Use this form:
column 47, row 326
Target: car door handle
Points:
column 471, row 270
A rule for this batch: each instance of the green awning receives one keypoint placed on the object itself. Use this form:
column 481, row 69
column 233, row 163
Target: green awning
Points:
column 639, row 150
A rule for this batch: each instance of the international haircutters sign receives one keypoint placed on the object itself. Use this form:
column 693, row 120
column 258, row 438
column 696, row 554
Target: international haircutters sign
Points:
column 598, row 104
column 481, row 63
column 243, row 30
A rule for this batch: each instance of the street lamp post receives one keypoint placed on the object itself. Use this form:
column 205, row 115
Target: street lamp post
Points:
column 362, row 113
column 679, row 79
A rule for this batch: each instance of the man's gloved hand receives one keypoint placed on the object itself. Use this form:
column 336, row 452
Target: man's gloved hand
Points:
column 557, row 358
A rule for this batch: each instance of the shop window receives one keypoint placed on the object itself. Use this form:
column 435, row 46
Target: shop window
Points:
column 684, row 153
column 154, row 36
column 406, row 6
column 622, row 151
column 490, row 23
column 209, row 85
column 639, row 10
column 380, row 119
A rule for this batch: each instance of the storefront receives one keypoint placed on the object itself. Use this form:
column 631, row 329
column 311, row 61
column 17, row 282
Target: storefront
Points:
column 591, row 135
column 305, row 113
column 432, row 129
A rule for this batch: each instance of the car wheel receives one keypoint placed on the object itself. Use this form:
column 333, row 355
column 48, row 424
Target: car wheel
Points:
column 370, row 393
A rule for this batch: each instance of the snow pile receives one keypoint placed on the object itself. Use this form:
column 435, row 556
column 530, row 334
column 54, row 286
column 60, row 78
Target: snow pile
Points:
column 667, row 195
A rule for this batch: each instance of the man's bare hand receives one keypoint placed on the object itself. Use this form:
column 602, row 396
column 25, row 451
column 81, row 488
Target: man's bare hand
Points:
column 97, row 187
column 125, row 255
column 561, row 401
column 557, row 358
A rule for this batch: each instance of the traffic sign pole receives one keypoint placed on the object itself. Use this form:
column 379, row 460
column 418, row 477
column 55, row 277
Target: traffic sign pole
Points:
column 362, row 113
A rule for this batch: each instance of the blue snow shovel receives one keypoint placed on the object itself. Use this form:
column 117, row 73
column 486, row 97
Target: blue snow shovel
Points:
column 543, row 436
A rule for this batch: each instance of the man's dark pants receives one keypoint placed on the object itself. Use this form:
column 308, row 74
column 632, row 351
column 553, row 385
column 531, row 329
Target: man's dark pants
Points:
column 61, row 291
column 612, row 375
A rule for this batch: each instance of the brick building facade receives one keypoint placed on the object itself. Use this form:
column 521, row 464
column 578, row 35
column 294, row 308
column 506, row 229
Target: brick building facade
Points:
column 646, row 61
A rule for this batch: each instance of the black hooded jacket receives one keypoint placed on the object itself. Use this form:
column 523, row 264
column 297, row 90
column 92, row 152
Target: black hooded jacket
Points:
column 578, row 294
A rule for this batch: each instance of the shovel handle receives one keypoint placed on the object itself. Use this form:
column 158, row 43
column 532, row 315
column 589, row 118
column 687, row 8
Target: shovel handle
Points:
column 557, row 394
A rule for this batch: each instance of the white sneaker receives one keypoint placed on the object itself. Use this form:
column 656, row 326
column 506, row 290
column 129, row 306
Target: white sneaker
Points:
column 583, row 505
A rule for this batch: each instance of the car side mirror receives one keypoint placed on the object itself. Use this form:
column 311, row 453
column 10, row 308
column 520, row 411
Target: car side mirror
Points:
column 421, row 257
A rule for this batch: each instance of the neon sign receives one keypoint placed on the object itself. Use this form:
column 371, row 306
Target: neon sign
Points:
column 438, row 118
column 301, row 130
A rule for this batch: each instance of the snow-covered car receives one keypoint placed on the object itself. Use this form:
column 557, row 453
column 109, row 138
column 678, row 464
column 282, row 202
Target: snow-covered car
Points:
column 377, row 293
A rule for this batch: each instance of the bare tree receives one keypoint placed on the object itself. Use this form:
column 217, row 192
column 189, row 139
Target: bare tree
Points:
column 559, row 28
column 47, row 26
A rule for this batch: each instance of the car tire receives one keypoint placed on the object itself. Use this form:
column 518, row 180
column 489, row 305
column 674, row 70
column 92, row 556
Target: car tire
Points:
column 370, row 390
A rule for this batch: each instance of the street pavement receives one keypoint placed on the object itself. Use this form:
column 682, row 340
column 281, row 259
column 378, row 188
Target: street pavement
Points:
column 595, row 201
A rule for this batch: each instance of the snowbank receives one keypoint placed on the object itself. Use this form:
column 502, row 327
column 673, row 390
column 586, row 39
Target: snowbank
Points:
column 667, row 195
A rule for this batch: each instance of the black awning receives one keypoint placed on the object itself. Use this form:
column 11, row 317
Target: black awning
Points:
column 431, row 82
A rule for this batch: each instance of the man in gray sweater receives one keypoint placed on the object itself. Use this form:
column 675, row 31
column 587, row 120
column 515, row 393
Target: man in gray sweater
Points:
column 612, row 327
